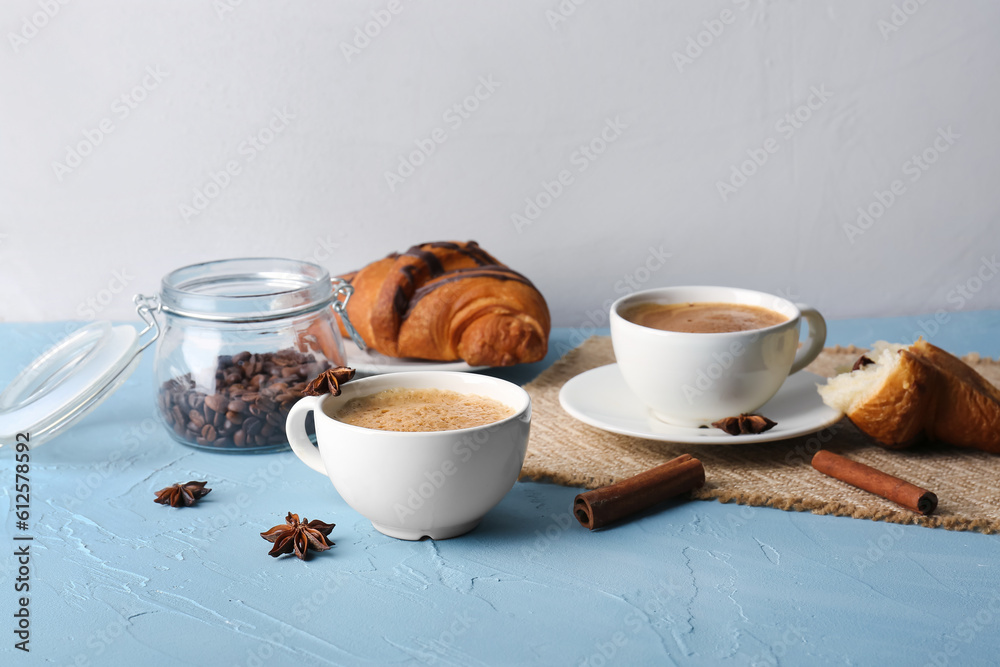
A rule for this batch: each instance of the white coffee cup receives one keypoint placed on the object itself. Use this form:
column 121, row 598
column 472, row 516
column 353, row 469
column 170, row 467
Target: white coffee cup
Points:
column 437, row 484
column 693, row 379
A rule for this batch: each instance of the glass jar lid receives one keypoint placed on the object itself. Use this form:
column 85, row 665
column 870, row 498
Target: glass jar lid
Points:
column 71, row 378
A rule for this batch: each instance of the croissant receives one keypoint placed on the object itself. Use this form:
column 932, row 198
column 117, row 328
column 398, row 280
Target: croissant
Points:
column 899, row 395
column 447, row 301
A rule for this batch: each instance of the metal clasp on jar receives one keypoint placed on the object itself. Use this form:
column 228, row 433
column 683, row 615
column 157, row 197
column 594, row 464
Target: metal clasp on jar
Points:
column 147, row 307
column 344, row 289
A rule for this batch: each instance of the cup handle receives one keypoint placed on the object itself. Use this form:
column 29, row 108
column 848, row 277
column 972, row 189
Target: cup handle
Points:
column 815, row 341
column 295, row 430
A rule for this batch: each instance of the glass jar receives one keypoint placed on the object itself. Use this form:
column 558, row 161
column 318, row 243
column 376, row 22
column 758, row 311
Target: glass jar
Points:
column 240, row 340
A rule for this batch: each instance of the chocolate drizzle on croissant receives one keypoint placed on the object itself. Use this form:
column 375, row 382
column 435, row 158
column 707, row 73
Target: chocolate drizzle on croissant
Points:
column 494, row 271
column 470, row 250
column 448, row 301
column 429, row 258
column 427, row 266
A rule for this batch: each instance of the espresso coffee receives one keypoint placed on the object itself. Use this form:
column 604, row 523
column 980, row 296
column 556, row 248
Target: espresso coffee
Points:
column 421, row 410
column 703, row 317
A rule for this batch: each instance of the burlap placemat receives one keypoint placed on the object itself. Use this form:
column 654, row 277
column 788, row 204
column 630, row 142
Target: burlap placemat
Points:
column 566, row 451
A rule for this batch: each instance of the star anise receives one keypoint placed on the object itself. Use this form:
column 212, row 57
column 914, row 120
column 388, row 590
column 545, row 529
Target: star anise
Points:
column 745, row 424
column 329, row 381
column 862, row 362
column 297, row 536
column 182, row 495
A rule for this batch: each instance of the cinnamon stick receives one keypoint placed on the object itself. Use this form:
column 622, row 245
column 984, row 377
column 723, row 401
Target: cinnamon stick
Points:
column 875, row 481
column 608, row 504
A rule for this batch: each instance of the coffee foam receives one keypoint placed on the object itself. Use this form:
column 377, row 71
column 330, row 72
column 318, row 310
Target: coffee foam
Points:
column 401, row 409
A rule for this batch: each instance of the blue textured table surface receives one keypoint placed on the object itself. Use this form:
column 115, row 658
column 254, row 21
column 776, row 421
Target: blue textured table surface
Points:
column 117, row 579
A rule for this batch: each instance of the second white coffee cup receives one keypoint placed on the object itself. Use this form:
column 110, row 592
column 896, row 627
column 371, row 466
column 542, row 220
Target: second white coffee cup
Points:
column 693, row 379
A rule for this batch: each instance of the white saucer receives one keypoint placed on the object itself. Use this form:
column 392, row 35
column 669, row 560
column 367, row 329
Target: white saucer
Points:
column 371, row 362
column 600, row 397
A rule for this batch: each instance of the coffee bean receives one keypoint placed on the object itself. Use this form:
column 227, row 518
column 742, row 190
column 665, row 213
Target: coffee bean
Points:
column 252, row 426
column 208, row 432
column 196, row 418
column 217, row 402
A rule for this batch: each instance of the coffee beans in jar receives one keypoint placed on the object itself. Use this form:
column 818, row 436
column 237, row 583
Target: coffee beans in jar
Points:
column 247, row 408
column 240, row 341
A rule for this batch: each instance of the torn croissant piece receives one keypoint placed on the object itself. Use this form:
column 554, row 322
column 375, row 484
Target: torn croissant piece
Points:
column 910, row 393
column 448, row 301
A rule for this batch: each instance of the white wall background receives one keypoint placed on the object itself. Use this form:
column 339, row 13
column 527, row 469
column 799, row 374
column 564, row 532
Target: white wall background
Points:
column 77, row 240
